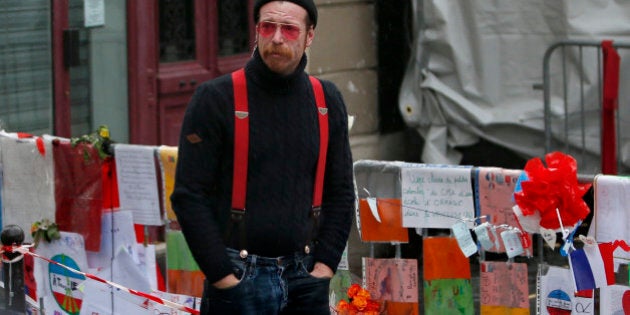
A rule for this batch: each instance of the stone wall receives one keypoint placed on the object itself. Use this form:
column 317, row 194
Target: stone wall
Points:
column 345, row 52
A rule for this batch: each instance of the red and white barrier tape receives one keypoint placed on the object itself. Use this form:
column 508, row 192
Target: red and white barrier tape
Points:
column 10, row 249
column 24, row 250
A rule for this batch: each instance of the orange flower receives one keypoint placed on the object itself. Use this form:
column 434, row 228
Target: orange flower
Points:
column 359, row 302
column 372, row 306
column 343, row 307
column 364, row 293
column 353, row 290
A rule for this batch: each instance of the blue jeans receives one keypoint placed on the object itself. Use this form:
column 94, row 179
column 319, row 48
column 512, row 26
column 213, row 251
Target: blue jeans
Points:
column 272, row 286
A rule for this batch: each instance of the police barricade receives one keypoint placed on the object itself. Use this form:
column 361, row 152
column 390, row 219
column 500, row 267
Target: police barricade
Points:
column 585, row 110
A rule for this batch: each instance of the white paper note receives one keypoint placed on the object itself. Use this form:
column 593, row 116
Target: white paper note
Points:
column 435, row 196
column 137, row 182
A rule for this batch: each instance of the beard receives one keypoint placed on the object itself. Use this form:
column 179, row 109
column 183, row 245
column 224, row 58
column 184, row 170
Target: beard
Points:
column 279, row 59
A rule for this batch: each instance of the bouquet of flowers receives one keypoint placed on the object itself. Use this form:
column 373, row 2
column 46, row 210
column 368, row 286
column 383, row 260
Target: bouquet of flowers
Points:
column 359, row 303
column 44, row 229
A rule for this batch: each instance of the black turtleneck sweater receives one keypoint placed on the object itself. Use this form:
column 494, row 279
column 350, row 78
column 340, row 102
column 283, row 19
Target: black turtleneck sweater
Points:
column 283, row 152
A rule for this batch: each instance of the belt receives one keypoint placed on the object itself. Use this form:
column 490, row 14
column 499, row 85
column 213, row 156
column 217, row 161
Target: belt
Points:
column 267, row 261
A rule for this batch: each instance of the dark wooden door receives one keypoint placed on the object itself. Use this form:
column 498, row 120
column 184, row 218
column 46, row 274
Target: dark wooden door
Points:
column 174, row 45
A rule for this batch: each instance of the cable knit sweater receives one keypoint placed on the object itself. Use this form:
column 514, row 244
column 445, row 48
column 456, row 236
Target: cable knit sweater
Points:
column 283, row 151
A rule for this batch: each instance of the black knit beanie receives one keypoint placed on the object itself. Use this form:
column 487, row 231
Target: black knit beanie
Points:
column 308, row 5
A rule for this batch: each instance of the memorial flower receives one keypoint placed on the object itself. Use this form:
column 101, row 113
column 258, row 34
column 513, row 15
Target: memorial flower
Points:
column 359, row 302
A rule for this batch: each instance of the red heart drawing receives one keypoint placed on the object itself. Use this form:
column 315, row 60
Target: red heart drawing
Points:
column 625, row 302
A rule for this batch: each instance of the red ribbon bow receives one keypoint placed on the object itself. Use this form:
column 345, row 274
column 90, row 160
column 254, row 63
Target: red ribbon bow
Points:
column 553, row 187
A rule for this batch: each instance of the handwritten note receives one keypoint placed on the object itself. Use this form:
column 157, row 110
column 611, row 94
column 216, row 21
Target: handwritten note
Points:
column 612, row 194
column 495, row 190
column 611, row 218
column 117, row 231
column 504, row 284
column 435, row 196
column 464, row 239
column 137, row 182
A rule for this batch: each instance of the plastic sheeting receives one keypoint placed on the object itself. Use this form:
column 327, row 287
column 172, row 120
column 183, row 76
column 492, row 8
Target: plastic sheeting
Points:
column 475, row 65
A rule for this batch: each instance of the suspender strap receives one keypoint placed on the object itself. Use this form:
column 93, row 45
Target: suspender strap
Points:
column 318, row 187
column 241, row 142
column 241, row 150
column 322, row 114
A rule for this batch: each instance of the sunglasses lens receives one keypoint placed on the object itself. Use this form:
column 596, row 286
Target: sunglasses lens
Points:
column 267, row 29
column 291, row 32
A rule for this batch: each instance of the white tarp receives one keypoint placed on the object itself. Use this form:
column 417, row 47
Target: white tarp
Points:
column 475, row 63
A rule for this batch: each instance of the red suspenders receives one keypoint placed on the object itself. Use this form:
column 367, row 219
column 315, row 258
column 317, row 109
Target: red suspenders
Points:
column 241, row 143
column 322, row 116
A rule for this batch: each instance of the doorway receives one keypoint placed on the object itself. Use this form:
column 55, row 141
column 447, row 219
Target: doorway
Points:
column 175, row 45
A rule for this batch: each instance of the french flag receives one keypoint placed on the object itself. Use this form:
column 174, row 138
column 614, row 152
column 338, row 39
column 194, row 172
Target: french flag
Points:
column 593, row 266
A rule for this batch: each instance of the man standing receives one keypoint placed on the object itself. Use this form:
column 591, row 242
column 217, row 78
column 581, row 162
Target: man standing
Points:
column 263, row 189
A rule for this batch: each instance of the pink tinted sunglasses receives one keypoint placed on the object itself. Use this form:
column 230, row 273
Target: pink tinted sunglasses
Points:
column 267, row 29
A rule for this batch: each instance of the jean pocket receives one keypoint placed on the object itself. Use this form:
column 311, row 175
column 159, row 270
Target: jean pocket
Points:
column 220, row 301
column 225, row 301
column 306, row 267
column 239, row 268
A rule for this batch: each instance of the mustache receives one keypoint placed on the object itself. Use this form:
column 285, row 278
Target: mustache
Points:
column 280, row 50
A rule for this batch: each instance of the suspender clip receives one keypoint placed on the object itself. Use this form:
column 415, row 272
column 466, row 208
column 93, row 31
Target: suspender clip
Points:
column 316, row 211
column 237, row 215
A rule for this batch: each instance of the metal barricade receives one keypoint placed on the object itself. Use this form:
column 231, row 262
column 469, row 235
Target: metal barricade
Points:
column 573, row 105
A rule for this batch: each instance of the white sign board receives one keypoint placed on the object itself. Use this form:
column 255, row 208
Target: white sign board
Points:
column 435, row 196
column 94, row 13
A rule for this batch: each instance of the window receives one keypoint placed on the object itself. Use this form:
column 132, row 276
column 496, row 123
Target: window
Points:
column 26, row 95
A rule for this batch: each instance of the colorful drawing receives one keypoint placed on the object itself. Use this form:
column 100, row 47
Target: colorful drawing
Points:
column 448, row 296
column 504, row 288
column 168, row 160
column 556, row 293
column 494, row 195
column 447, row 285
column 394, row 282
column 183, row 273
column 64, row 284
column 558, row 303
